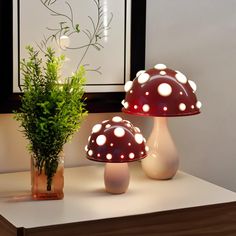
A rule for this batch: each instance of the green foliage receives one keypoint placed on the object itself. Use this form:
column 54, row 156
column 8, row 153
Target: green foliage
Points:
column 51, row 111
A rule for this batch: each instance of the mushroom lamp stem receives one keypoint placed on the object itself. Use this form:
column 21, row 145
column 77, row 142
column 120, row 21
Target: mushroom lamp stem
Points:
column 116, row 177
column 162, row 160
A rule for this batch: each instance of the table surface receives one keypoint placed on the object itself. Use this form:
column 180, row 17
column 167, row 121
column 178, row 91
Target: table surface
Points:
column 85, row 198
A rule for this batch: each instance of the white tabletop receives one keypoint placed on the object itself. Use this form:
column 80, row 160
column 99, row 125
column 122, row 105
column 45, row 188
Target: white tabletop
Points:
column 85, row 198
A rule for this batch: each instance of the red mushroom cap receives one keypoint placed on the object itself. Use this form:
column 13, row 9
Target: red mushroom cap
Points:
column 116, row 141
column 161, row 92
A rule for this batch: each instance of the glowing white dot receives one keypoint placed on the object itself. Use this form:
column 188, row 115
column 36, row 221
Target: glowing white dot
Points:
column 101, row 140
column 165, row 108
column 142, row 153
column 131, row 155
column 90, row 152
column 131, row 91
column 181, row 77
column 123, row 102
column 193, row 85
column 119, row 132
column 135, row 107
column 108, row 126
column 146, row 108
column 146, row 148
column 182, row 107
column 147, row 93
column 109, row 156
column 138, row 138
column 96, row 128
column 122, row 156
column 64, row 41
column 192, row 106
column 89, row 138
column 126, row 105
column 129, row 144
column 160, row 67
column 92, row 141
column 198, row 104
column 181, row 93
column 139, row 73
column 164, row 89
column 105, row 121
column 111, row 144
column 117, row 119
column 128, row 86
column 162, row 72
column 137, row 129
column 86, row 148
column 143, row 78
column 98, row 155
column 128, row 125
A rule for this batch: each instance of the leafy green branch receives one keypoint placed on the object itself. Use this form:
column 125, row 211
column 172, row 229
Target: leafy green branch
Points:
column 68, row 27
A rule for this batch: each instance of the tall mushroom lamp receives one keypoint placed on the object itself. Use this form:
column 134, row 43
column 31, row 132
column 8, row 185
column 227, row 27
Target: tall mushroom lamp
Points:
column 116, row 142
column 161, row 92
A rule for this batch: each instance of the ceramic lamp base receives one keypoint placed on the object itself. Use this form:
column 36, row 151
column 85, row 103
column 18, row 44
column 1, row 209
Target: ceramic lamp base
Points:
column 116, row 177
column 162, row 161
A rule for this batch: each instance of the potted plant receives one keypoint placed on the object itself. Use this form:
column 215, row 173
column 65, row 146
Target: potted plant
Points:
column 52, row 109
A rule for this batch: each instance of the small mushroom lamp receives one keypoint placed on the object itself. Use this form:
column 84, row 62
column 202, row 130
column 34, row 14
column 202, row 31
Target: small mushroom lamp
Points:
column 161, row 92
column 116, row 142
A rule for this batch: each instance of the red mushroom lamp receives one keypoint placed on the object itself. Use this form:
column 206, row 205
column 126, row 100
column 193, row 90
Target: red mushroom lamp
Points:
column 161, row 92
column 116, row 142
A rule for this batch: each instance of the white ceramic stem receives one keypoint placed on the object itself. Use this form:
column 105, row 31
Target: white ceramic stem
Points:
column 162, row 161
column 116, row 177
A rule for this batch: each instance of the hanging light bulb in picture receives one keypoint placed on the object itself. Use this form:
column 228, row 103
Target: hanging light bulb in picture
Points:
column 64, row 42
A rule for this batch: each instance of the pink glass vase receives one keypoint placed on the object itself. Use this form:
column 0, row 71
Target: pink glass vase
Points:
column 40, row 188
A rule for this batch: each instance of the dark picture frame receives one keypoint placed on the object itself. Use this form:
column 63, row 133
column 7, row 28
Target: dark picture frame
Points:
column 96, row 102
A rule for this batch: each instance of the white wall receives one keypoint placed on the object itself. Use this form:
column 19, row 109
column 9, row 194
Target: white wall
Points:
column 196, row 37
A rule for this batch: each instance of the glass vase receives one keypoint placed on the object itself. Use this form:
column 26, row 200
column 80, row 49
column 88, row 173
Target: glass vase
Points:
column 40, row 187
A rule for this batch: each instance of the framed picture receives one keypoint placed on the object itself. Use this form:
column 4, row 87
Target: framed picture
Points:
column 107, row 37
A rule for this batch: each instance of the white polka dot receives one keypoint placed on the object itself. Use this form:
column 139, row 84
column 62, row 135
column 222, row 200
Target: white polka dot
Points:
column 198, row 104
column 119, row 132
column 146, row 148
column 165, row 108
column 146, row 108
column 135, row 107
column 181, row 77
column 137, row 129
column 101, row 140
column 138, row 138
column 129, row 144
column 92, row 141
column 111, row 144
column 109, row 156
column 193, row 85
column 131, row 155
column 143, row 78
column 162, row 72
column 164, row 89
column 122, row 156
column 105, row 121
column 142, row 153
column 182, row 107
column 131, row 91
column 128, row 125
column 160, row 67
column 128, row 86
column 139, row 73
column 126, row 105
column 123, row 102
column 64, row 41
column 147, row 93
column 96, row 128
column 181, row 93
column 90, row 152
column 192, row 106
column 108, row 126
column 117, row 119
column 98, row 155
column 86, row 148
column 89, row 138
